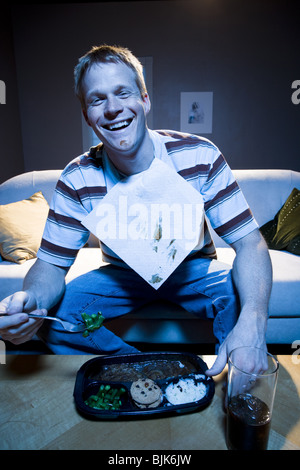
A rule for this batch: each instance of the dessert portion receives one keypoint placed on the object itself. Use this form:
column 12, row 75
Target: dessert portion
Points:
column 145, row 393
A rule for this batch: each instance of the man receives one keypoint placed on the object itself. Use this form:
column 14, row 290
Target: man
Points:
column 110, row 85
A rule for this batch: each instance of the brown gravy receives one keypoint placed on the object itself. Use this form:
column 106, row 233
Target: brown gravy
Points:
column 156, row 370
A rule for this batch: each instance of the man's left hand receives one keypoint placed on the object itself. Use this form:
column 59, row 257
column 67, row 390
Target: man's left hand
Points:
column 243, row 334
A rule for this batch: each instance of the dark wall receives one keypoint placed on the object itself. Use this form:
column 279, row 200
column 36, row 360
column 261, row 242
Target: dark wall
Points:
column 11, row 156
column 246, row 52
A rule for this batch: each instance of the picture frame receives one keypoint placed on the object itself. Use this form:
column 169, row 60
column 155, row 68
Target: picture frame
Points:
column 196, row 112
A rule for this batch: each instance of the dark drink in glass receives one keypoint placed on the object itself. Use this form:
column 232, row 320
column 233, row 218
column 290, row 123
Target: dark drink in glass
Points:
column 248, row 423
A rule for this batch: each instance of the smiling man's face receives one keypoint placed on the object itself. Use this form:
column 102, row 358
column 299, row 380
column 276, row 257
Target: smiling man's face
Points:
column 115, row 109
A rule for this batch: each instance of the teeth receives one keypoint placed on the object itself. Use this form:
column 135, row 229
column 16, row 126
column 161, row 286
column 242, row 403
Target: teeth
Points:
column 118, row 125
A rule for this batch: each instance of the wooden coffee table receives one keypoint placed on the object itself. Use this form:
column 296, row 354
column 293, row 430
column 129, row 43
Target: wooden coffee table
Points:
column 38, row 412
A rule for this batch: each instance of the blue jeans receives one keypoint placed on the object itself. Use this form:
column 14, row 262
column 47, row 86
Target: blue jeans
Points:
column 201, row 286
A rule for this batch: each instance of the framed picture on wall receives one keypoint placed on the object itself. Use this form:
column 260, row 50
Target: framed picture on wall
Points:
column 196, row 112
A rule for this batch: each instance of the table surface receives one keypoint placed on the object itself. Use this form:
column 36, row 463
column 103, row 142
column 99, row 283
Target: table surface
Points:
column 38, row 412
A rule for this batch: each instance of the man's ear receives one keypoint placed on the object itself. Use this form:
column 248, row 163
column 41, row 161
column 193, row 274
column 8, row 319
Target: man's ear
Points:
column 86, row 117
column 147, row 102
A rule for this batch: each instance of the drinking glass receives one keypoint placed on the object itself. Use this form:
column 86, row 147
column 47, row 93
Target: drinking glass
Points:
column 252, row 379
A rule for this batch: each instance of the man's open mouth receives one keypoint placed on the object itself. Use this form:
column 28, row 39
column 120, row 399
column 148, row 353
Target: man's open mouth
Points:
column 118, row 125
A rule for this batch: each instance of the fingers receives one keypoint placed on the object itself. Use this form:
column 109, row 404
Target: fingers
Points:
column 21, row 333
column 252, row 361
column 255, row 363
column 14, row 303
column 16, row 327
column 12, row 320
column 219, row 363
column 14, row 307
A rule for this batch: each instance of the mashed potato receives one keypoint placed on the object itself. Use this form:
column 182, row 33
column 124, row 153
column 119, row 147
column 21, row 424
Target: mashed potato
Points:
column 185, row 391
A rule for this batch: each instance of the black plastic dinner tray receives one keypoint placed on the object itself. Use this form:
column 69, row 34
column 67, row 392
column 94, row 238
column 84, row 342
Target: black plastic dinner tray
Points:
column 86, row 385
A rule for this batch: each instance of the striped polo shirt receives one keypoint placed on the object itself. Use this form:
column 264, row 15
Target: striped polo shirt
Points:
column 87, row 179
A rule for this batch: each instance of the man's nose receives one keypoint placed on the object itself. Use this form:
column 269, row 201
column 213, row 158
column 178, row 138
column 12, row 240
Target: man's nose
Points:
column 113, row 107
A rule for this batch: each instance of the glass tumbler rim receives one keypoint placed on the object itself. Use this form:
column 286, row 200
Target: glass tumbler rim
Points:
column 264, row 374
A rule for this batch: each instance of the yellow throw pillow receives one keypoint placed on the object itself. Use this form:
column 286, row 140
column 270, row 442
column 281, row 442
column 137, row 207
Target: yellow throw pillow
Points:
column 21, row 228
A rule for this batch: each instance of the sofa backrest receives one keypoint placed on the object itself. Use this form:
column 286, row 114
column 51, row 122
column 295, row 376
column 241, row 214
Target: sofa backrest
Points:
column 266, row 190
column 25, row 185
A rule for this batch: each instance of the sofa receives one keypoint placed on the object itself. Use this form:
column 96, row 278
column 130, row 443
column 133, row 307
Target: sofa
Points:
column 266, row 192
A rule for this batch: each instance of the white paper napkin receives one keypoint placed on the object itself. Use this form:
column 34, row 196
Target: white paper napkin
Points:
column 151, row 220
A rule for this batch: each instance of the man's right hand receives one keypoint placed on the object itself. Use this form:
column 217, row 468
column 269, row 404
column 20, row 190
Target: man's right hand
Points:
column 16, row 326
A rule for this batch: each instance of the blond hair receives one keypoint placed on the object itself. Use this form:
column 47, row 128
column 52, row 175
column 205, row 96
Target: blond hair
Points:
column 104, row 54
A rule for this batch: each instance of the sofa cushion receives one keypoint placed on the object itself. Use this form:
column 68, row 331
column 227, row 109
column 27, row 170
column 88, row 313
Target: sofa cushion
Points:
column 12, row 276
column 283, row 232
column 86, row 260
column 284, row 300
column 22, row 224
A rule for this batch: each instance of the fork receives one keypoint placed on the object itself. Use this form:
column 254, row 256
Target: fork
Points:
column 70, row 327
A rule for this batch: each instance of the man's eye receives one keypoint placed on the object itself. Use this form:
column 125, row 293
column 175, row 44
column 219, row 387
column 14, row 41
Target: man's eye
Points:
column 96, row 100
column 124, row 94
